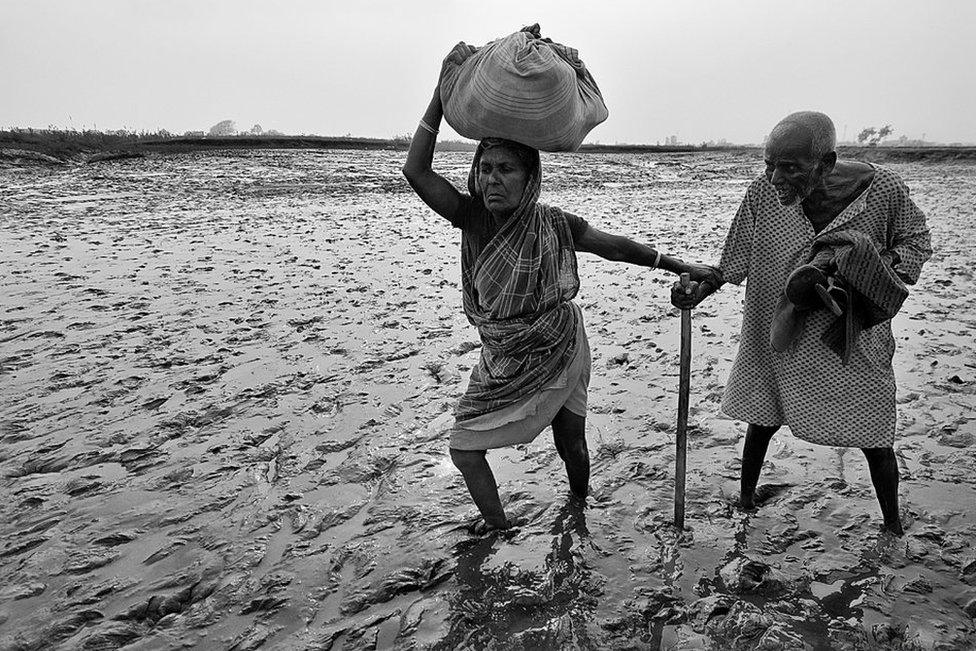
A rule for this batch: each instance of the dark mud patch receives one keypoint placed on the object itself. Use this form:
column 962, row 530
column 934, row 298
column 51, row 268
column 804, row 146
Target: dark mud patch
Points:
column 227, row 382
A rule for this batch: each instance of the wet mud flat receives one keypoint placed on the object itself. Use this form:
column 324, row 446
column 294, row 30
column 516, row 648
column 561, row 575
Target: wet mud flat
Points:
column 226, row 380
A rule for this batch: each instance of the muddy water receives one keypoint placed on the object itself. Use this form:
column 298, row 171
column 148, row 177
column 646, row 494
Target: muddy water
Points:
column 225, row 385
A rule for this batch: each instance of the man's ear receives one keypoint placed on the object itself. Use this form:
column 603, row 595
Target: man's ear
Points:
column 827, row 162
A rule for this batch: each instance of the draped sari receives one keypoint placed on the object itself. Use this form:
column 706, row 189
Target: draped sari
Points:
column 516, row 292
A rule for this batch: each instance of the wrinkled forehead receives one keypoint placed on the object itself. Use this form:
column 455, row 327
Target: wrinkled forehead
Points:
column 789, row 140
column 498, row 154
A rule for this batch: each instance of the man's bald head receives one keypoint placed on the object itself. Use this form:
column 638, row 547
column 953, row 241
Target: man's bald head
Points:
column 816, row 127
column 800, row 155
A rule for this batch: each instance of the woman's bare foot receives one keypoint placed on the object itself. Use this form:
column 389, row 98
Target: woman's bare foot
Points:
column 481, row 528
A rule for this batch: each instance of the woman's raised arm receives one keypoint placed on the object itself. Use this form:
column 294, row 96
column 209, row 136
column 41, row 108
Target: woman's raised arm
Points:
column 436, row 191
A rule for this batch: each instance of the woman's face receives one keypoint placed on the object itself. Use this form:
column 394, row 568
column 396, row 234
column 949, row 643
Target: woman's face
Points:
column 502, row 178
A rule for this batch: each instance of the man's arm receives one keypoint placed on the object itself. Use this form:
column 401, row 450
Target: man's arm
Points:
column 737, row 251
column 910, row 244
column 736, row 256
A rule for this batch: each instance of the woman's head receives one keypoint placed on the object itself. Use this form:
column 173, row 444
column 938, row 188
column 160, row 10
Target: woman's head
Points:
column 501, row 172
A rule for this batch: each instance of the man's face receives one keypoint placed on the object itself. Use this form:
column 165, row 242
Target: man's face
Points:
column 790, row 164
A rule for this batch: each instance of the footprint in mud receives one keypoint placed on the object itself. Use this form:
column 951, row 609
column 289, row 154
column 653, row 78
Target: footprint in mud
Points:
column 154, row 403
column 744, row 575
column 767, row 493
column 722, row 505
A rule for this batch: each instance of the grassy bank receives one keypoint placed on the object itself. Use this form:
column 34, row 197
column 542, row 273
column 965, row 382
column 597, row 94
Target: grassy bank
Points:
column 45, row 146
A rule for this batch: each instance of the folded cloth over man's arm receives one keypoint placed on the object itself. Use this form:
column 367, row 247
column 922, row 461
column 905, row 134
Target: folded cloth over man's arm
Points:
column 876, row 291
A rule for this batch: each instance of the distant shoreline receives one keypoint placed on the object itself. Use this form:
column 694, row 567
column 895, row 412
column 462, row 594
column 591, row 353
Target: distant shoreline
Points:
column 65, row 147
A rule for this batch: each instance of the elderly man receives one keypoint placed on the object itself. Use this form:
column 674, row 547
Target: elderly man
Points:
column 827, row 247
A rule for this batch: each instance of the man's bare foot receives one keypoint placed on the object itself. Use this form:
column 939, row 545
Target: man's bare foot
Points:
column 575, row 498
column 894, row 528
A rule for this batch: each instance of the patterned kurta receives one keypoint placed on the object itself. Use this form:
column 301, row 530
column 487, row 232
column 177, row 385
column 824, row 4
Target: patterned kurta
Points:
column 808, row 387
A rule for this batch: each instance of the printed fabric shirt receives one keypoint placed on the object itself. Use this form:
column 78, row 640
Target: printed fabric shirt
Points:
column 807, row 387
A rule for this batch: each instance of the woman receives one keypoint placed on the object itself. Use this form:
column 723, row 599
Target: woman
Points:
column 518, row 270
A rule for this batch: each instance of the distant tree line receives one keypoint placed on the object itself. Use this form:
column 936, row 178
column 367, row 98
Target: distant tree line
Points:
column 872, row 137
column 226, row 128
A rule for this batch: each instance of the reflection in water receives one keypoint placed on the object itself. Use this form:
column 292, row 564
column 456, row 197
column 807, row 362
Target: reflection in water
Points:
column 539, row 607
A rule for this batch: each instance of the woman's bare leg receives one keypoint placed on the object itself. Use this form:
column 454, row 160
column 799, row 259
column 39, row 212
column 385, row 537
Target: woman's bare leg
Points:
column 473, row 465
column 569, row 434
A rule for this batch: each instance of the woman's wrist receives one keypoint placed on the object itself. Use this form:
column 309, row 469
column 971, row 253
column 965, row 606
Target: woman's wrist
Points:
column 431, row 119
column 656, row 263
column 674, row 265
column 435, row 109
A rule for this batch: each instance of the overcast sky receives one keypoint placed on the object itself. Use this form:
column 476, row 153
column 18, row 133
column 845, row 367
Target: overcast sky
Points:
column 698, row 70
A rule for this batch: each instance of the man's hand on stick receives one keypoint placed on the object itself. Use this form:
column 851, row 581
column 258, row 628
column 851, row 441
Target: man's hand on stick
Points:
column 705, row 280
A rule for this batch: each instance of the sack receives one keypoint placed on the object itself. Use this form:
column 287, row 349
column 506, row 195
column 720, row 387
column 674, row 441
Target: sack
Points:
column 523, row 88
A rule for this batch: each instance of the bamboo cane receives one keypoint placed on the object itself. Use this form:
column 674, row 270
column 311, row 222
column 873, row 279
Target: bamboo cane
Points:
column 684, row 386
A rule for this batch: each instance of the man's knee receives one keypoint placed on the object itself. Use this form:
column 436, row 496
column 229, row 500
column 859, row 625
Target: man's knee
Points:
column 467, row 459
column 878, row 455
column 762, row 431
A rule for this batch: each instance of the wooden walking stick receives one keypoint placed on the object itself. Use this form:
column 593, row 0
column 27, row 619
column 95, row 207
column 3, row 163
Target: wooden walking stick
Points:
column 684, row 387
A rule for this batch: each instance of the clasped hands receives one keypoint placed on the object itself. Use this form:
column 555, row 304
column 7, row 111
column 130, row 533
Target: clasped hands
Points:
column 705, row 279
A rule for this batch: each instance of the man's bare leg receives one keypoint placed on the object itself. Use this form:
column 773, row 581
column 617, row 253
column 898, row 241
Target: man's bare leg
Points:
column 480, row 481
column 569, row 434
column 884, row 476
column 753, row 455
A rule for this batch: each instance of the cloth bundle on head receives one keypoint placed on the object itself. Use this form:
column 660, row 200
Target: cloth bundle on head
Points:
column 523, row 88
